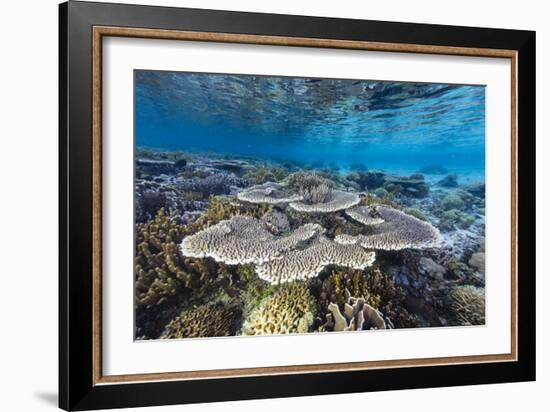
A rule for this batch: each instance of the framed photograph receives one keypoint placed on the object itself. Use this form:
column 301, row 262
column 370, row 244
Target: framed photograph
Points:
column 257, row 205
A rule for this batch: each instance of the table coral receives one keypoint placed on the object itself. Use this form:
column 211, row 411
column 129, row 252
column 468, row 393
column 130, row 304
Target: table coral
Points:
column 398, row 231
column 243, row 239
column 309, row 262
column 335, row 201
column 290, row 310
column 270, row 193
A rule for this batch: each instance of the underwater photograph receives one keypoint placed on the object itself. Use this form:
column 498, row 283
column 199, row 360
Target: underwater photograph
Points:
column 270, row 205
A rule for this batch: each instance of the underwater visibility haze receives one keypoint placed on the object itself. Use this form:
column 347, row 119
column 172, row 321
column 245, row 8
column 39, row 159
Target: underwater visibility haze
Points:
column 270, row 205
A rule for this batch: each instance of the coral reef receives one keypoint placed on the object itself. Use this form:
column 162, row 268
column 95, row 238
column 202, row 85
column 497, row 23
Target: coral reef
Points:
column 276, row 222
column 312, row 187
column 309, row 262
column 202, row 322
column 449, row 181
column 358, row 315
column 242, row 240
column 365, row 215
column 398, row 231
column 412, row 186
column 377, row 289
column 271, row 193
column 153, row 196
column 477, row 261
column 158, row 273
column 337, row 200
column 290, row 310
column 215, row 184
column 467, row 304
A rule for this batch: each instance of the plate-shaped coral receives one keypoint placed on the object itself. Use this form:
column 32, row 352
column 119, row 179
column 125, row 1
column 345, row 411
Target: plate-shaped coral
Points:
column 398, row 231
column 308, row 262
column 244, row 239
column 337, row 200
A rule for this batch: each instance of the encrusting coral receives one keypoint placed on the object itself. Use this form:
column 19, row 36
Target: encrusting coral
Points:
column 243, row 239
column 309, row 262
column 201, row 322
column 467, row 304
column 398, row 231
column 290, row 310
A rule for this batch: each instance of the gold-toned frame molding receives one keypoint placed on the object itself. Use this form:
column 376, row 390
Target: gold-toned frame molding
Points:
column 102, row 31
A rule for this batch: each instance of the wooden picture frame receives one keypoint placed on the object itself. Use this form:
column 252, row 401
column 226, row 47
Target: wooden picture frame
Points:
column 82, row 384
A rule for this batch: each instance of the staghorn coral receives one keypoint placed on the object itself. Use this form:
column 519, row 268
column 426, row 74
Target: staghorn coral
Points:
column 201, row 322
column 337, row 200
column 290, row 310
column 313, row 187
column 271, row 193
column 398, row 231
column 309, row 262
column 243, row 239
column 467, row 304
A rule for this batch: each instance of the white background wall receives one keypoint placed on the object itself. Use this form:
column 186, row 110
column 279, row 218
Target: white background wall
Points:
column 28, row 202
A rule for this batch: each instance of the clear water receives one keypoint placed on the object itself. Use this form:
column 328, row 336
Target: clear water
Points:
column 323, row 122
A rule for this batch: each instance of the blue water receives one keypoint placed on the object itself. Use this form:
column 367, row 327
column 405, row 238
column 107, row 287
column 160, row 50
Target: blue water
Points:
column 333, row 122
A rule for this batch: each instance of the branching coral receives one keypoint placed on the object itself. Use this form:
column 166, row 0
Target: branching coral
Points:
column 156, row 266
column 204, row 321
column 467, row 304
column 309, row 262
column 312, row 187
column 398, row 231
column 290, row 310
column 243, row 240
column 160, row 269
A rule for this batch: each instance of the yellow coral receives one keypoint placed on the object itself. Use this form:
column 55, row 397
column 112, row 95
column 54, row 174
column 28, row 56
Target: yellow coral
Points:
column 202, row 322
column 290, row 310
